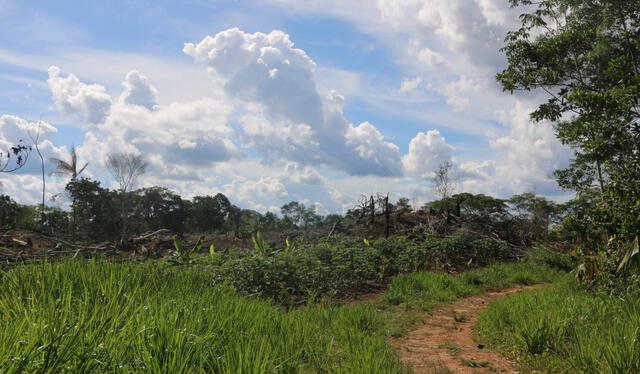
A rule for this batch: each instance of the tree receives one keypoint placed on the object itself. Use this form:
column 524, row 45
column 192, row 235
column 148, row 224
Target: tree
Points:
column 443, row 185
column 96, row 209
column 160, row 208
column 36, row 144
column 403, row 205
column 209, row 212
column 299, row 214
column 14, row 158
column 585, row 54
column 125, row 168
column 69, row 168
column 536, row 214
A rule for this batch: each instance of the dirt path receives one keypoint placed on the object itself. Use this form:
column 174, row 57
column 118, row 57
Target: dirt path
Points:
column 446, row 342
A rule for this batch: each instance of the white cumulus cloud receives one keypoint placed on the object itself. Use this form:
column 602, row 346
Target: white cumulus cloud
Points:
column 426, row 153
column 89, row 103
column 138, row 91
column 290, row 119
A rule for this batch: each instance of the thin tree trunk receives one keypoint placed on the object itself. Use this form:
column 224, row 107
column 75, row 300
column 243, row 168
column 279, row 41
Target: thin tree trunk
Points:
column 372, row 207
column 386, row 216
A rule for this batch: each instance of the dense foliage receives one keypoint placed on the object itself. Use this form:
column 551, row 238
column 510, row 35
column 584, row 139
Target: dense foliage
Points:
column 586, row 56
column 342, row 266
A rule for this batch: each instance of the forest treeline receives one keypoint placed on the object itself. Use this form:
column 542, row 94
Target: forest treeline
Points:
column 522, row 219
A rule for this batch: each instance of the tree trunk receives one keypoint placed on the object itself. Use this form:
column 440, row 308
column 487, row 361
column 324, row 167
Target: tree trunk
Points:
column 372, row 207
column 386, row 216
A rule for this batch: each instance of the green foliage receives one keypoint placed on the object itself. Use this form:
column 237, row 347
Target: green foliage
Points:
column 423, row 290
column 586, row 55
column 552, row 259
column 574, row 330
column 208, row 213
column 102, row 316
column 14, row 215
column 96, row 209
column 300, row 215
column 259, row 244
column 161, row 208
column 182, row 254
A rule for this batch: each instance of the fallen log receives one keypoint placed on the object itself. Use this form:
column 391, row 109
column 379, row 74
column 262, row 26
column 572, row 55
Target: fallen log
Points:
column 149, row 235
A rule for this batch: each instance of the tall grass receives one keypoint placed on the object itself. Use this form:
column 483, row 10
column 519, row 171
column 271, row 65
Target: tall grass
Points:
column 425, row 289
column 565, row 329
column 79, row 316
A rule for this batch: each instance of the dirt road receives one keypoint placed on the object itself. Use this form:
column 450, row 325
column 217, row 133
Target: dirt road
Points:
column 446, row 343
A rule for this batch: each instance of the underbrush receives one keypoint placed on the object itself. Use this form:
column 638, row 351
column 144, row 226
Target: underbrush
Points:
column 100, row 316
column 563, row 328
column 342, row 266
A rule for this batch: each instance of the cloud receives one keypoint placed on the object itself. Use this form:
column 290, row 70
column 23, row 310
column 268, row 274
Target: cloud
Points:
column 426, row 153
column 138, row 91
column 89, row 103
column 288, row 117
column 299, row 174
column 173, row 138
column 257, row 194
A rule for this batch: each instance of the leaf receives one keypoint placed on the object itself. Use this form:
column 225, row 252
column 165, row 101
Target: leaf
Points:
column 212, row 250
column 366, row 242
column 178, row 245
column 629, row 255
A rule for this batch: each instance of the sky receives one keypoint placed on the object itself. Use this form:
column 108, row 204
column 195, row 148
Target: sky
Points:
column 271, row 101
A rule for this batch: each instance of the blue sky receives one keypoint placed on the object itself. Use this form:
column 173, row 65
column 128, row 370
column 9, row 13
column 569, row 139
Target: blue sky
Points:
column 317, row 101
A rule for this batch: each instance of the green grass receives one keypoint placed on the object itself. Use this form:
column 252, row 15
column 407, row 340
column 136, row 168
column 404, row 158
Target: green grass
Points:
column 98, row 316
column 565, row 329
column 424, row 290
column 79, row 316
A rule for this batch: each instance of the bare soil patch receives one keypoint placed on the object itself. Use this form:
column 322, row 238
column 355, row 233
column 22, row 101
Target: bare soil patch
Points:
column 446, row 342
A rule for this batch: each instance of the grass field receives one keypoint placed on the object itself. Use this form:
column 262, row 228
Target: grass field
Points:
column 102, row 316
column 565, row 329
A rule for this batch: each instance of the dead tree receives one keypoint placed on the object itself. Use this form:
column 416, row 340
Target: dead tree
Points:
column 372, row 210
column 386, row 216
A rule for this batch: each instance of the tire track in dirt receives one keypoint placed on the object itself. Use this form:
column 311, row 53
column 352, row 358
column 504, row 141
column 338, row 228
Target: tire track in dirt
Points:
column 446, row 343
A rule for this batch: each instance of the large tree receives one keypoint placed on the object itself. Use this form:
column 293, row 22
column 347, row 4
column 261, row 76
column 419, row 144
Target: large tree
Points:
column 585, row 54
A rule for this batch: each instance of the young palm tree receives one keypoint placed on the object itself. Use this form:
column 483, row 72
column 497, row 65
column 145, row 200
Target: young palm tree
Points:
column 69, row 168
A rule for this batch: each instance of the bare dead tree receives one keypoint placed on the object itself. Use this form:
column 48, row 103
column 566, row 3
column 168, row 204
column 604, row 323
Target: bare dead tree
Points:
column 36, row 144
column 387, row 216
column 443, row 183
column 125, row 168
column 372, row 209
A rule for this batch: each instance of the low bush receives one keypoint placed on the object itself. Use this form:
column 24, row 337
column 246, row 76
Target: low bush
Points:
column 340, row 266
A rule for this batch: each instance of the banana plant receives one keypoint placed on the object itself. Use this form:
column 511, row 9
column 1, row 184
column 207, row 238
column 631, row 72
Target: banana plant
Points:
column 183, row 254
column 631, row 259
column 212, row 250
column 259, row 244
